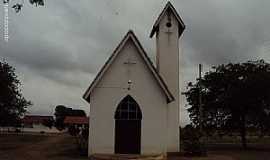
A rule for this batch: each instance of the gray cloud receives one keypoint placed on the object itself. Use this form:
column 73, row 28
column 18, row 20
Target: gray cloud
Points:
column 57, row 49
column 224, row 31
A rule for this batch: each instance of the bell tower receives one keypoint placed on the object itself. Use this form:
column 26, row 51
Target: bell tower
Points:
column 168, row 28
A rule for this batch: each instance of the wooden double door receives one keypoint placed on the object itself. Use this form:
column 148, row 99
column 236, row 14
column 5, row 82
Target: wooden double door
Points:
column 128, row 136
column 128, row 119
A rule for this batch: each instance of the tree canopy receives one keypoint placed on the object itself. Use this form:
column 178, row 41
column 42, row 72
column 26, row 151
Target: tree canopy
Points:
column 234, row 97
column 17, row 6
column 12, row 103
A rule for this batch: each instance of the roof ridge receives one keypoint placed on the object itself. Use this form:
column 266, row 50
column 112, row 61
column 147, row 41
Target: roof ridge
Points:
column 175, row 13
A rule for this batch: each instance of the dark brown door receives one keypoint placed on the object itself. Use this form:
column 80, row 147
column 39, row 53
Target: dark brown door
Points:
column 128, row 118
column 128, row 136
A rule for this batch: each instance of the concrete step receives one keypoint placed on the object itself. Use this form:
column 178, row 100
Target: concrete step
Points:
column 127, row 157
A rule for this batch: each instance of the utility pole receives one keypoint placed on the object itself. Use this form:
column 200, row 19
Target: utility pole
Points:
column 201, row 140
column 200, row 99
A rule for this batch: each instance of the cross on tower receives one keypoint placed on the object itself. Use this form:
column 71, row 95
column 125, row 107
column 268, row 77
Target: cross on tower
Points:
column 168, row 32
column 129, row 62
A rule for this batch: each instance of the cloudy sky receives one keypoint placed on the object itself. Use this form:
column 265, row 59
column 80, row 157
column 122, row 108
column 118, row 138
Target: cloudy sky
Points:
column 58, row 49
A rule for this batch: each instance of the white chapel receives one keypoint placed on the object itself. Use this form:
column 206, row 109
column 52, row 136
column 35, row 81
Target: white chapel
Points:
column 134, row 106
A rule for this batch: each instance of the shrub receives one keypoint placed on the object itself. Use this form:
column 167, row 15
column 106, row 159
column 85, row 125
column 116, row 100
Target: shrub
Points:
column 192, row 145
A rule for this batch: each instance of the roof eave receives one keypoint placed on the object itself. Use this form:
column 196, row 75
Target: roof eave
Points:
column 86, row 95
column 155, row 29
column 86, row 98
column 169, row 100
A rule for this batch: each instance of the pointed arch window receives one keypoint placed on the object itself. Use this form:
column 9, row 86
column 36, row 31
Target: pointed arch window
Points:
column 128, row 109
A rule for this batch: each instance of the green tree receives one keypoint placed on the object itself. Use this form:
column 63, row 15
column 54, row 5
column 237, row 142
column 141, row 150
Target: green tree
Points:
column 17, row 6
column 12, row 104
column 234, row 97
column 60, row 114
column 62, row 111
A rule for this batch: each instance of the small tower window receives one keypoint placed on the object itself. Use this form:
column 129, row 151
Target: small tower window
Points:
column 169, row 24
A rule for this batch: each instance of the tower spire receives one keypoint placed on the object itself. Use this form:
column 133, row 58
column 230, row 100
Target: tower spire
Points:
column 168, row 9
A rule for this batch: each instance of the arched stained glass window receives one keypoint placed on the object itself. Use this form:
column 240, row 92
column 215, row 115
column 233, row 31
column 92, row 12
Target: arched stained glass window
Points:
column 128, row 109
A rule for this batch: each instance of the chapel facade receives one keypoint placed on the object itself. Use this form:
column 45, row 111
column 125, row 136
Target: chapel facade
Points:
column 134, row 104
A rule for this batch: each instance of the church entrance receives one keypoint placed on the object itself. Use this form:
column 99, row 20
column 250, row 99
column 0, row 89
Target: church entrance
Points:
column 128, row 118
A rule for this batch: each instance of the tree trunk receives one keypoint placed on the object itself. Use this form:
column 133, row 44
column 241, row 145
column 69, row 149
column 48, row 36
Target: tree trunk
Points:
column 243, row 131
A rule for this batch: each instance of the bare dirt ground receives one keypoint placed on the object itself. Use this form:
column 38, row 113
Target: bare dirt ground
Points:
column 38, row 147
column 63, row 147
column 256, row 150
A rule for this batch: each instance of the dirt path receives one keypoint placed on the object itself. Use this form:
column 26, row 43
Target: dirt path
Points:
column 55, row 147
column 34, row 150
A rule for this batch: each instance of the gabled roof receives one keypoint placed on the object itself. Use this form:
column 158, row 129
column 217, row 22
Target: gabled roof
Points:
column 129, row 35
column 76, row 120
column 170, row 7
column 35, row 119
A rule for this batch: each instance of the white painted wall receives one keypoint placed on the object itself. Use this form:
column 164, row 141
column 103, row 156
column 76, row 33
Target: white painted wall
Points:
column 110, row 91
